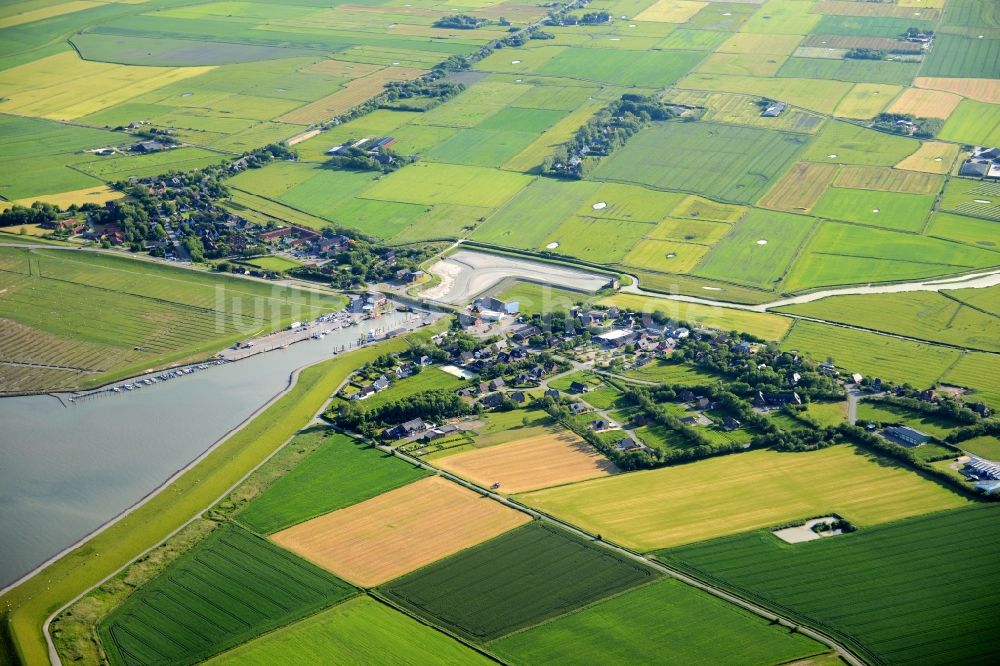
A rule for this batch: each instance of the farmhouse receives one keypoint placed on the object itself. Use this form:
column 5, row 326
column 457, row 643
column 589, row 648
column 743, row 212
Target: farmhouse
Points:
column 981, row 470
column 406, row 429
column 774, row 110
column 906, row 435
column 616, row 338
column 488, row 303
column 982, row 163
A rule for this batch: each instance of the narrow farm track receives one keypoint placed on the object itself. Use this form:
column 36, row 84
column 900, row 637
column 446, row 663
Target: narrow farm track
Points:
column 843, row 651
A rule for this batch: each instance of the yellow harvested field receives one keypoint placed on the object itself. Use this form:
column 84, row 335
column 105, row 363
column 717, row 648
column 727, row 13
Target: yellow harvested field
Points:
column 800, row 188
column 33, row 15
column 710, row 498
column 64, row 87
column 742, row 42
column 531, row 463
column 931, row 157
column 983, row 90
column 764, row 325
column 930, row 4
column 349, row 70
column 670, row 11
column 866, row 100
column 564, row 130
column 96, row 195
column 888, row 180
column 354, row 93
column 399, row 531
column 304, row 136
column 926, row 103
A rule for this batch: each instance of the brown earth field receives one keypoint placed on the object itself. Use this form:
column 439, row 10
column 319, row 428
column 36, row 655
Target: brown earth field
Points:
column 931, row 157
column 530, row 463
column 984, row 90
column 400, row 531
column 800, row 188
column 352, row 94
column 924, row 103
column 885, row 179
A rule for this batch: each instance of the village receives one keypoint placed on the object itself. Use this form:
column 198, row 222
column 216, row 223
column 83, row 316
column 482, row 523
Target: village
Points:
column 584, row 368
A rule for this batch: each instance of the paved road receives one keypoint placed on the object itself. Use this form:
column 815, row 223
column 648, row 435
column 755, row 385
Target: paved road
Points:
column 973, row 281
column 841, row 650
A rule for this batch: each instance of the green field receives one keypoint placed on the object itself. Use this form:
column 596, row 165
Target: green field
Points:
column 342, row 472
column 843, row 143
column 891, row 210
column 961, row 56
column 857, row 71
column 231, row 587
column 985, row 446
column 924, row 315
column 723, row 161
column 516, row 580
column 339, row 635
column 982, row 233
column 662, row 614
column 274, row 263
column 38, row 156
column 980, row 373
column 744, row 491
column 972, row 197
column 109, row 316
column 889, row 591
column 889, row 413
column 536, row 298
column 741, row 257
column 871, row 354
column 973, row 122
column 841, row 254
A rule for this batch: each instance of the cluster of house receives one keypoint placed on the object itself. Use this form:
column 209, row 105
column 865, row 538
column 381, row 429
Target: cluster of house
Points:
column 401, row 371
column 982, row 163
column 300, row 238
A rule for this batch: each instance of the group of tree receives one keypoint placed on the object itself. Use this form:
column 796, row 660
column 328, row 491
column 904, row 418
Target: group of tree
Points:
column 768, row 370
column 420, row 94
column 907, row 125
column 460, row 22
column 865, row 54
column 434, row 406
column 351, row 158
column 37, row 213
column 607, row 131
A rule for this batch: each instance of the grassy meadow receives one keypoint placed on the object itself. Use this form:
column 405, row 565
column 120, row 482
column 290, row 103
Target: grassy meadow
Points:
column 356, row 470
column 661, row 612
column 358, row 626
column 229, row 588
column 499, row 586
column 886, row 590
column 102, row 317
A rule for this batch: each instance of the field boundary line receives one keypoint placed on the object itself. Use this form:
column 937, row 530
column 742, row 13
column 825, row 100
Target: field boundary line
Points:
column 843, row 651
column 373, row 593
